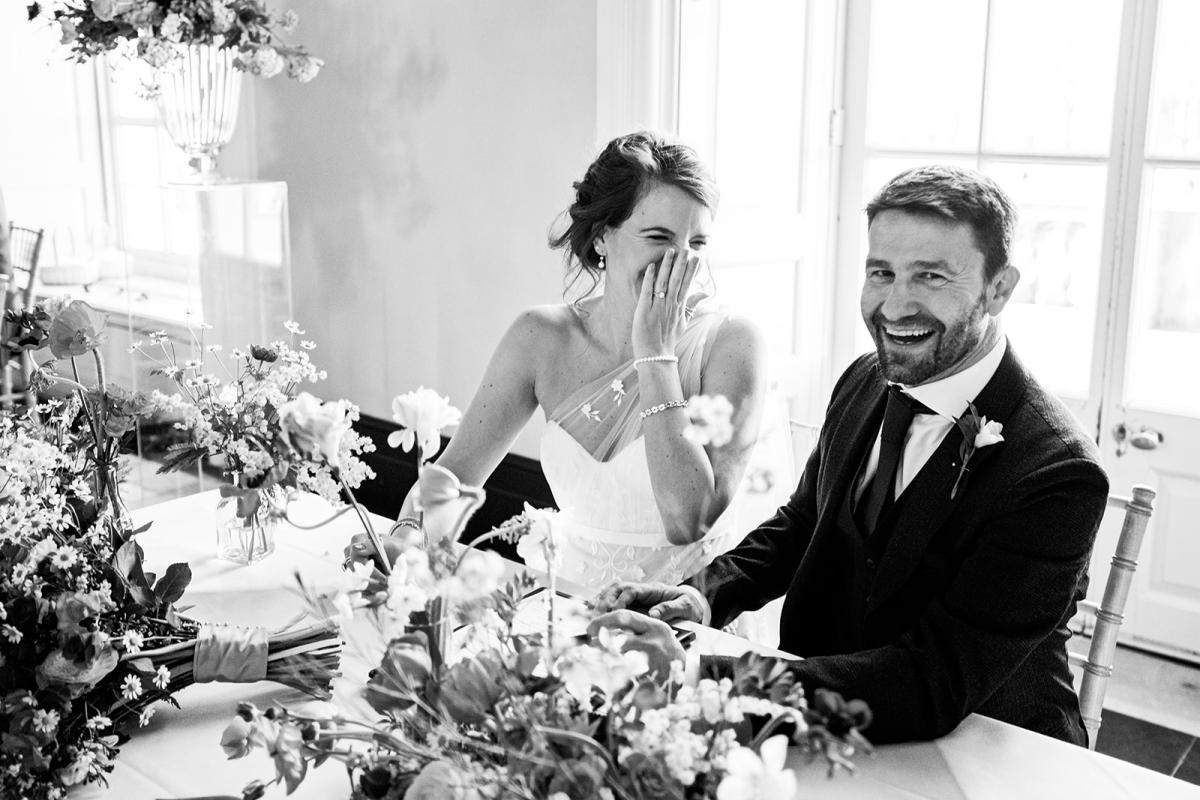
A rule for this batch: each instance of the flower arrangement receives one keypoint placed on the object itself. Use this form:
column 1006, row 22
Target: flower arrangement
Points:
column 271, row 436
column 89, row 640
column 502, row 709
column 154, row 28
column 512, row 714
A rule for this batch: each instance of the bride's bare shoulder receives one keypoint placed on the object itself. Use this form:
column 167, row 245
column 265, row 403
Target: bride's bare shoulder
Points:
column 543, row 327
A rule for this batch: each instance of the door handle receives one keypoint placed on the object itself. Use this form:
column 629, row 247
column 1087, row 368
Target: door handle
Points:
column 1143, row 438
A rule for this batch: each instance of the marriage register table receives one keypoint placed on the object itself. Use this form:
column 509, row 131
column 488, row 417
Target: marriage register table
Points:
column 178, row 754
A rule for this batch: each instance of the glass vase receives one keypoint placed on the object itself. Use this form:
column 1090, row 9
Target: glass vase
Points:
column 198, row 104
column 247, row 520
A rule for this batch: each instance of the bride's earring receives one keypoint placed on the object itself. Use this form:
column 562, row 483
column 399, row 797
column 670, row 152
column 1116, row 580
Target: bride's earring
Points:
column 600, row 266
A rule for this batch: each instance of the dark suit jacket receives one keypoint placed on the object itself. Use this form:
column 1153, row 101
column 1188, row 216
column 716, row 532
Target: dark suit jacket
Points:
column 965, row 609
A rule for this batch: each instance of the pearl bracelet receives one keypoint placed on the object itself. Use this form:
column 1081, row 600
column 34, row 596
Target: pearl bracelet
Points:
column 652, row 410
column 648, row 359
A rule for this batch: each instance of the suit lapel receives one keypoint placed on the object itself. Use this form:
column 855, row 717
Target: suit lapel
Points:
column 858, row 426
column 926, row 501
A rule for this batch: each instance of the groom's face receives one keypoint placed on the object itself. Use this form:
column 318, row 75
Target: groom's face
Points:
column 924, row 298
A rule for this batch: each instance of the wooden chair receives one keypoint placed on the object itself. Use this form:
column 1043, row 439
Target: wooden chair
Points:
column 1097, row 665
column 25, row 246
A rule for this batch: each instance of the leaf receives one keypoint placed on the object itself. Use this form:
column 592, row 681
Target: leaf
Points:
column 173, row 583
column 150, row 576
column 128, row 562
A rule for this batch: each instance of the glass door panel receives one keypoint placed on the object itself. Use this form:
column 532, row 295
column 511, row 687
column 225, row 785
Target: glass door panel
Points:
column 1041, row 96
column 1051, row 319
column 925, row 70
column 1164, row 336
column 1174, row 124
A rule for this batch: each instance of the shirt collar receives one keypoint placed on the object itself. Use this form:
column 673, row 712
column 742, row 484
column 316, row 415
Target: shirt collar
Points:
column 950, row 395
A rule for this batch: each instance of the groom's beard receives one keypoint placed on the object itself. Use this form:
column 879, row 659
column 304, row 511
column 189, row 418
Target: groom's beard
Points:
column 947, row 345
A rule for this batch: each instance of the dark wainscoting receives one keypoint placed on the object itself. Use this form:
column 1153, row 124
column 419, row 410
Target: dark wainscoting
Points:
column 518, row 480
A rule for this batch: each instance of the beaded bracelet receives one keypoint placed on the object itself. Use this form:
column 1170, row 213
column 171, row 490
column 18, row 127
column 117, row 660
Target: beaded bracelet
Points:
column 648, row 359
column 652, row 410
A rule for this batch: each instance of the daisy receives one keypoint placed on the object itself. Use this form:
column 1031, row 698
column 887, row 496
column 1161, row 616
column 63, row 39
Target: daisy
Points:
column 65, row 557
column 132, row 640
column 131, row 689
column 45, row 721
column 162, row 677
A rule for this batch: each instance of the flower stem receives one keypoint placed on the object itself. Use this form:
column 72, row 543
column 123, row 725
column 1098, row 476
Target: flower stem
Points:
column 385, row 565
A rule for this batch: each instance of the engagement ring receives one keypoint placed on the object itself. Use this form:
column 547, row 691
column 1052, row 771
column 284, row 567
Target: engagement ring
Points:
column 660, row 295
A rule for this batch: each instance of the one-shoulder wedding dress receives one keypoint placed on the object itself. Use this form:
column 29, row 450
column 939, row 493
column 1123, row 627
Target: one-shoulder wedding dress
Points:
column 594, row 458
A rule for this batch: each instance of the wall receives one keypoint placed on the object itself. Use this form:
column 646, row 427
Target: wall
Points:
column 425, row 165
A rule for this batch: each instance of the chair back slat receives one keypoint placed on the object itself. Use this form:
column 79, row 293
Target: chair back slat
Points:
column 1098, row 665
column 25, row 250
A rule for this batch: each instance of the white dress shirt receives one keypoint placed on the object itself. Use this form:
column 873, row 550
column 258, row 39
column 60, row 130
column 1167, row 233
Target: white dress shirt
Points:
column 948, row 398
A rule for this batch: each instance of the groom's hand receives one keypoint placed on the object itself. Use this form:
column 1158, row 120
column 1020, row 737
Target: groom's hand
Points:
column 659, row 600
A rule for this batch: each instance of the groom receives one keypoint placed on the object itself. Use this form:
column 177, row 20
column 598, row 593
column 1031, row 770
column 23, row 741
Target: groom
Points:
column 928, row 567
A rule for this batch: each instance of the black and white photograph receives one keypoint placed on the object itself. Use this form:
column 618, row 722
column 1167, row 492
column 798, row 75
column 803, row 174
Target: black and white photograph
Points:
column 614, row 399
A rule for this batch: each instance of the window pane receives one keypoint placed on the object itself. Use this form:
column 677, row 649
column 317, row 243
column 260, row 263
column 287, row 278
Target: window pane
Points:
column 141, row 217
column 1044, row 96
column 1174, row 124
column 763, row 292
column 757, row 158
column 125, row 92
column 925, row 74
column 1165, row 323
column 1051, row 317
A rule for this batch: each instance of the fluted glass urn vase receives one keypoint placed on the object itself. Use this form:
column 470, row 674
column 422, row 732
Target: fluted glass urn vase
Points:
column 198, row 103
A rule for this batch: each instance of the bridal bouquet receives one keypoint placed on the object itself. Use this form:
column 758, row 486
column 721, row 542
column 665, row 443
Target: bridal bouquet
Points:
column 153, row 28
column 89, row 640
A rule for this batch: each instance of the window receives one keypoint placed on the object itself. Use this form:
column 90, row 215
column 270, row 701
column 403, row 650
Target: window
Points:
column 992, row 86
column 1102, row 162
column 141, row 160
column 50, row 169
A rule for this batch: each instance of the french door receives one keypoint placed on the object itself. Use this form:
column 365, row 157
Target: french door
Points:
column 1095, row 132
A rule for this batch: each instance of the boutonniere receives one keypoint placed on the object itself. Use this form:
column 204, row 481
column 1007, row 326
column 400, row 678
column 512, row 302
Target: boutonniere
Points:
column 978, row 432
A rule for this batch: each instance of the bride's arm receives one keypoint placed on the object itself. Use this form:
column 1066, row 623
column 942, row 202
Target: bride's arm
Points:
column 693, row 485
column 503, row 403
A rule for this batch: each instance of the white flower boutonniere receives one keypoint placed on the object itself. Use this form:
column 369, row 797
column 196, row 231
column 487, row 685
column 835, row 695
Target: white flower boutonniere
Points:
column 978, row 431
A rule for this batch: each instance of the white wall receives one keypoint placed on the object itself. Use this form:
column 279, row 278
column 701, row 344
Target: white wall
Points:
column 425, row 165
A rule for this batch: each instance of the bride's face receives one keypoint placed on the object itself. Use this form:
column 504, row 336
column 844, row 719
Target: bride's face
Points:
column 667, row 217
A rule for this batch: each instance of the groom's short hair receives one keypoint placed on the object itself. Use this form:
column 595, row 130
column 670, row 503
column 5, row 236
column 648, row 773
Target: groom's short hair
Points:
column 957, row 194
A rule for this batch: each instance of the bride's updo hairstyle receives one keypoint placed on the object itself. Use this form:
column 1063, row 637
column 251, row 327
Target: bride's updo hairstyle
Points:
column 627, row 168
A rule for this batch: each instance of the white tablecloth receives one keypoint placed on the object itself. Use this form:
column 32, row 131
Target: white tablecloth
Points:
column 178, row 754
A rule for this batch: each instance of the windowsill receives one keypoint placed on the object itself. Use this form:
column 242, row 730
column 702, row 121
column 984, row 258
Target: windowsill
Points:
column 148, row 302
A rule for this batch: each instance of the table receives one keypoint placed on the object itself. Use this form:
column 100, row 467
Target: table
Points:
column 178, row 755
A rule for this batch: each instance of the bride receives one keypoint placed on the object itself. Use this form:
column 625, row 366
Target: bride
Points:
column 613, row 373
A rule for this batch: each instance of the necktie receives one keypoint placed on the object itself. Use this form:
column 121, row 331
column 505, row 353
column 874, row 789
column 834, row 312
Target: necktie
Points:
column 897, row 416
